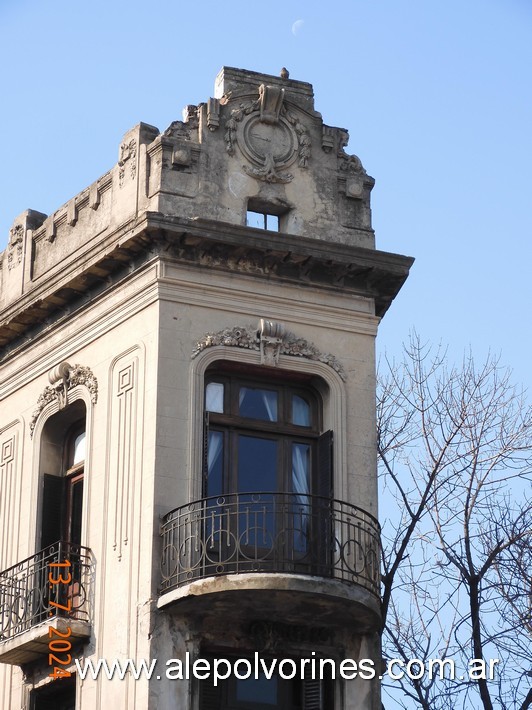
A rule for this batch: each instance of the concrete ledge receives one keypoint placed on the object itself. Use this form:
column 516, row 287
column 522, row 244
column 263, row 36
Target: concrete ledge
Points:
column 276, row 595
column 33, row 644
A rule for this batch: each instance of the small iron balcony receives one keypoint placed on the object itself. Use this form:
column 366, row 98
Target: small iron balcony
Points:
column 31, row 600
column 286, row 533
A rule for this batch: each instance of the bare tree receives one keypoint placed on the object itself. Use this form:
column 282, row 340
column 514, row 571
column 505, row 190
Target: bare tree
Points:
column 455, row 447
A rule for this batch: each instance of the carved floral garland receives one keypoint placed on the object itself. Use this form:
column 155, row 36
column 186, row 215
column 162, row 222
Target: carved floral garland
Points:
column 14, row 247
column 248, row 337
column 78, row 375
column 268, row 172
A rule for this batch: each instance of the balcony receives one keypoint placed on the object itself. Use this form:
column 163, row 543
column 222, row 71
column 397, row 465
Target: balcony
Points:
column 325, row 549
column 30, row 605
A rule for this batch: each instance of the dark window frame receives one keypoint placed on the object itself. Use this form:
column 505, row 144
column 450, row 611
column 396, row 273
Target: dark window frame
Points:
column 58, row 695
column 294, row 694
column 232, row 425
column 61, row 518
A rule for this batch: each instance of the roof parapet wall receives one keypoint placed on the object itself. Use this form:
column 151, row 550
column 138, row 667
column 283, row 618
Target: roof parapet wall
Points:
column 257, row 145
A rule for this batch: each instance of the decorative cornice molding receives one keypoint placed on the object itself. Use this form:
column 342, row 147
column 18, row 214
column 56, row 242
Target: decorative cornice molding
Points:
column 205, row 243
column 286, row 343
column 62, row 378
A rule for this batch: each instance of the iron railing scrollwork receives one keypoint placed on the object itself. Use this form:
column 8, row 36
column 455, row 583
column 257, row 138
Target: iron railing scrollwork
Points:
column 26, row 594
column 270, row 532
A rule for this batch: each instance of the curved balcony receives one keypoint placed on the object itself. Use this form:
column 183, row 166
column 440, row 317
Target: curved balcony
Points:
column 287, row 536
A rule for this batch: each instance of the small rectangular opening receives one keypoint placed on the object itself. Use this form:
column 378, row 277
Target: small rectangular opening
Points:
column 262, row 220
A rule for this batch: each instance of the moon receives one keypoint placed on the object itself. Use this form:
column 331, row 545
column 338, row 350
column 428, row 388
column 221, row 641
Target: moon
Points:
column 296, row 27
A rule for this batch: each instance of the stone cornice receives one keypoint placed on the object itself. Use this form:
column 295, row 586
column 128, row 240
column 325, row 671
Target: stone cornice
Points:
column 212, row 245
column 302, row 260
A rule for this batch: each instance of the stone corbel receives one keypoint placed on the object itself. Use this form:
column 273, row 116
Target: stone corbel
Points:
column 271, row 339
column 51, row 230
column 328, row 138
column 213, row 114
column 271, row 102
column 72, row 213
column 94, row 196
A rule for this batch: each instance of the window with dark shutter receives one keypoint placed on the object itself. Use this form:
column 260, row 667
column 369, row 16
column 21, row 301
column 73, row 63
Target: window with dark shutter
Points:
column 325, row 465
column 58, row 695
column 266, row 460
column 63, row 451
column 211, row 696
column 313, row 695
column 53, row 499
column 263, row 694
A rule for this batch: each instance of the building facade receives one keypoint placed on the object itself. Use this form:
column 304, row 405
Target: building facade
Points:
column 187, row 428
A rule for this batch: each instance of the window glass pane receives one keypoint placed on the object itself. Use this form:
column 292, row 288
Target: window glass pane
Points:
column 255, row 220
column 272, row 222
column 79, row 449
column 257, row 690
column 257, row 464
column 257, row 404
column 257, row 471
column 215, row 464
column 300, row 411
column 214, row 397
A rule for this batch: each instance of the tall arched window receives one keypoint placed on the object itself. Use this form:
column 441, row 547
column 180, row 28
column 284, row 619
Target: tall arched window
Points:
column 267, row 475
column 63, row 471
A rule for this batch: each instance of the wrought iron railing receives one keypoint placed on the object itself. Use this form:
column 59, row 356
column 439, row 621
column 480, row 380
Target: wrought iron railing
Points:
column 270, row 532
column 27, row 596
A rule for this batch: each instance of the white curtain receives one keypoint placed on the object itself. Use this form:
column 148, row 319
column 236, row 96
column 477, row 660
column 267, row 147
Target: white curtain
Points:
column 301, row 487
column 215, row 449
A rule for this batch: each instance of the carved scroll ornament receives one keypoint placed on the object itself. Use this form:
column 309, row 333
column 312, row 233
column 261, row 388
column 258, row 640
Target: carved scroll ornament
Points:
column 63, row 378
column 269, row 135
column 128, row 152
column 14, row 247
column 271, row 340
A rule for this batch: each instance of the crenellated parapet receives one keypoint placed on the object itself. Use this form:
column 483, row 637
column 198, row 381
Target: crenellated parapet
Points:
column 258, row 145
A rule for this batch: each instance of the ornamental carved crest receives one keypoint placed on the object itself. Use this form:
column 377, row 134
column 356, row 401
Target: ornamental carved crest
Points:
column 271, row 340
column 62, row 378
column 128, row 153
column 14, row 247
column 269, row 135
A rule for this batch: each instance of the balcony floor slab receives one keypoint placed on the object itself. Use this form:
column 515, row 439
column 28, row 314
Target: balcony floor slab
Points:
column 33, row 643
column 298, row 598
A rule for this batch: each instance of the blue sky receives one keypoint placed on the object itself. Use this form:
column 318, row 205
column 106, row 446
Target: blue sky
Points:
column 436, row 96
